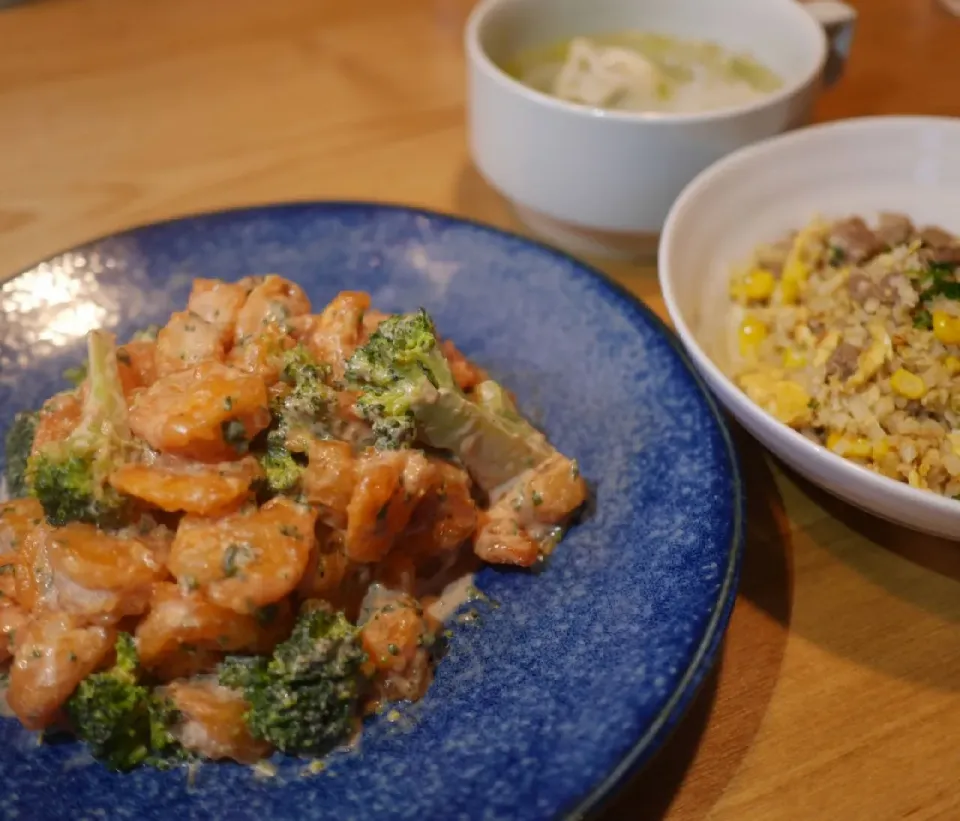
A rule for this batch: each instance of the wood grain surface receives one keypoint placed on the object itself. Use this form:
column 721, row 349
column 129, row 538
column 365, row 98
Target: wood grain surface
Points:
column 838, row 692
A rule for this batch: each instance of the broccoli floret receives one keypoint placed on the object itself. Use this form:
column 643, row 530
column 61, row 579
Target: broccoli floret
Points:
column 124, row 723
column 281, row 471
column 300, row 414
column 408, row 394
column 304, row 410
column 303, row 699
column 69, row 477
column 19, row 441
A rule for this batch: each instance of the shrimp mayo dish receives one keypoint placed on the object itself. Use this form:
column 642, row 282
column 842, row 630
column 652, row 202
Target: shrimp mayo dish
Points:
column 225, row 540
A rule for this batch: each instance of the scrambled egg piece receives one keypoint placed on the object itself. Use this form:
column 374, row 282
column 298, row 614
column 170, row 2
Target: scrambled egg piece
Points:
column 874, row 357
column 782, row 398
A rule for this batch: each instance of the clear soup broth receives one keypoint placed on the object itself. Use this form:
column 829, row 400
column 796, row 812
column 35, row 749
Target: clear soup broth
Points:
column 644, row 71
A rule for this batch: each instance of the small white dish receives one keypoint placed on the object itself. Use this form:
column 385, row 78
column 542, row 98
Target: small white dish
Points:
column 860, row 166
column 601, row 182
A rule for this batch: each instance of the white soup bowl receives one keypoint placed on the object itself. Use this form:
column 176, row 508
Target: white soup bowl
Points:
column 599, row 181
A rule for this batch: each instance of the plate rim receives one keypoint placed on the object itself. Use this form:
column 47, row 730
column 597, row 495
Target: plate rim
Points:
column 702, row 660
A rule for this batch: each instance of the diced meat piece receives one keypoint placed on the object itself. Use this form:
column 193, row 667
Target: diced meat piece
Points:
column 329, row 480
column 208, row 413
column 389, row 487
column 892, row 289
column 843, row 361
column 855, row 240
column 246, row 560
column 894, row 229
column 935, row 237
column 945, row 255
column 273, row 301
column 185, row 341
column 212, row 722
column 54, row 654
column 862, row 288
column 193, row 487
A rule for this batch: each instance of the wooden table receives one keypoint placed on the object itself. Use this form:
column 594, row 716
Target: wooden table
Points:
column 838, row 693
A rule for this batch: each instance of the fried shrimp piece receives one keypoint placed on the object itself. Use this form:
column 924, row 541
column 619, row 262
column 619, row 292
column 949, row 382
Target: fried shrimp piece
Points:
column 334, row 334
column 245, row 560
column 185, row 341
column 54, row 654
column 211, row 721
column 396, row 635
column 525, row 523
column 193, row 487
column 390, row 484
column 182, row 623
column 81, row 570
column 219, row 303
column 273, row 301
column 208, row 413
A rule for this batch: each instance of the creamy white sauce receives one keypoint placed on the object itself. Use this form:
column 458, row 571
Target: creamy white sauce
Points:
column 453, row 596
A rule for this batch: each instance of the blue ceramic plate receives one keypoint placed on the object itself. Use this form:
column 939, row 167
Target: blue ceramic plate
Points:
column 546, row 704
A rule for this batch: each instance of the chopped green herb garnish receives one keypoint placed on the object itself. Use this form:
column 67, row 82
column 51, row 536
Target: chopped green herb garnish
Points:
column 235, row 435
column 922, row 320
column 235, row 558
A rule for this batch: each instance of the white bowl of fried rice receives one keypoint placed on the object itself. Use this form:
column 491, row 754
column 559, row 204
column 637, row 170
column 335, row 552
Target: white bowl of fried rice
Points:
column 814, row 279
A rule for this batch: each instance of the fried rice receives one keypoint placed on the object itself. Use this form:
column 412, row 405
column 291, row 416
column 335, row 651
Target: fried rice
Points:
column 850, row 334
